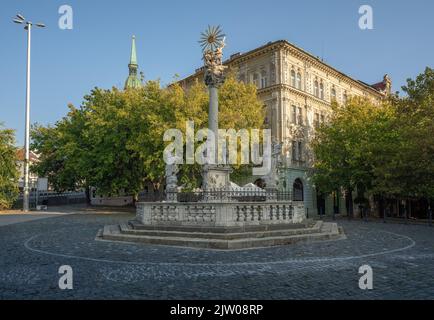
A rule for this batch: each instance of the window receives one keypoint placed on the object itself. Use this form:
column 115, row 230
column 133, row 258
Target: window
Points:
column 300, row 151
column 300, row 116
column 333, row 94
column 293, row 78
column 297, row 151
column 345, row 98
column 322, row 118
column 264, row 80
column 256, row 80
column 294, row 150
column 316, row 123
column 294, row 114
column 272, row 73
column 321, row 90
column 298, row 81
column 242, row 78
column 297, row 190
column 315, row 88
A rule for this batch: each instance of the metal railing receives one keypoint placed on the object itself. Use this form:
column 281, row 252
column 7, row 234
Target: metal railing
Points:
column 253, row 195
column 51, row 198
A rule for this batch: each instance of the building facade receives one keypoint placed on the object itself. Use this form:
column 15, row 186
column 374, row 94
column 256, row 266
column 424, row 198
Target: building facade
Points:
column 297, row 90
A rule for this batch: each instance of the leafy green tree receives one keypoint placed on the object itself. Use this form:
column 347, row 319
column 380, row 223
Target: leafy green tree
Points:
column 385, row 149
column 410, row 171
column 114, row 141
column 348, row 147
column 8, row 169
column 61, row 149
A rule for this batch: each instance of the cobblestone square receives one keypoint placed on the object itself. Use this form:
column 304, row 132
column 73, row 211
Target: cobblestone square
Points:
column 401, row 256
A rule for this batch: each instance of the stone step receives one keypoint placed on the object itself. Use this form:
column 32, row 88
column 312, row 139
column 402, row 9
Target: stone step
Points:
column 209, row 229
column 127, row 229
column 327, row 232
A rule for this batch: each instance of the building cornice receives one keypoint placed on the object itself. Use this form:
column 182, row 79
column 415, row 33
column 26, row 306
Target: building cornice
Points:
column 297, row 92
column 271, row 47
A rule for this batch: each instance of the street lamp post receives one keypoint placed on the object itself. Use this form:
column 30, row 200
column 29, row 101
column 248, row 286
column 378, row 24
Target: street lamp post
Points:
column 21, row 20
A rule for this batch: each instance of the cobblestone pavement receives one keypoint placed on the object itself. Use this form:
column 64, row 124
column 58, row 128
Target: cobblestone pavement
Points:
column 402, row 258
column 12, row 218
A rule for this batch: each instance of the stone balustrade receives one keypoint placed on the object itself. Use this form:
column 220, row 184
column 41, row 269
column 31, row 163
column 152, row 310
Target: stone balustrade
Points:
column 220, row 214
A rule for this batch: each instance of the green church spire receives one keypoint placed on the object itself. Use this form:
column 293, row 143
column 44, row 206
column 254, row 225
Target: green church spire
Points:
column 133, row 59
column 132, row 80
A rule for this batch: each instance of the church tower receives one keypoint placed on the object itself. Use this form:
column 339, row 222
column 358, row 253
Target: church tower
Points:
column 133, row 81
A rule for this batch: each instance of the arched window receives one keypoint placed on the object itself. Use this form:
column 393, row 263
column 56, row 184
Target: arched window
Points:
column 293, row 78
column 299, row 81
column 321, row 90
column 333, row 94
column 315, row 88
column 345, row 98
column 297, row 190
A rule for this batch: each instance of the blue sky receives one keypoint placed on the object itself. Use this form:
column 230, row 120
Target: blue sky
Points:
column 67, row 64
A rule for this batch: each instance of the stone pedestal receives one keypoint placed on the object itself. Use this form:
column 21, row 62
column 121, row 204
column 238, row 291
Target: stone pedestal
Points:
column 299, row 213
column 216, row 177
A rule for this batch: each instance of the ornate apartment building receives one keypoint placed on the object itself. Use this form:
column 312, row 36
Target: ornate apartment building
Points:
column 297, row 90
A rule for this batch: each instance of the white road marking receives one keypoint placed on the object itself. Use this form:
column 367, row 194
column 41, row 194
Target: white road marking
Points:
column 411, row 244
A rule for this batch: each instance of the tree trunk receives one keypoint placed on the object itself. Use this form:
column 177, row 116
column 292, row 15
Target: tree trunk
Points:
column 88, row 201
column 135, row 198
column 349, row 196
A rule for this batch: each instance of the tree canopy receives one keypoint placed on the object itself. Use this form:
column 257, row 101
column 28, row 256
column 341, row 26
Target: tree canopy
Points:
column 8, row 168
column 114, row 140
column 384, row 149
